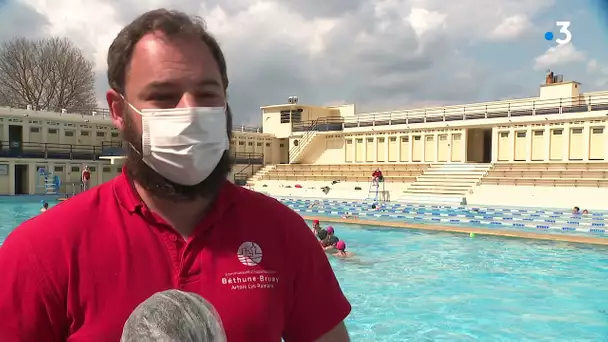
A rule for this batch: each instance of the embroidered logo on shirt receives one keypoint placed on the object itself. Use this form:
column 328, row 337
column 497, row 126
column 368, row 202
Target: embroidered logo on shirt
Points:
column 249, row 253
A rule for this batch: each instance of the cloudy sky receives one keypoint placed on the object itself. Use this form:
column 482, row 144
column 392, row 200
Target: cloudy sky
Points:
column 379, row 54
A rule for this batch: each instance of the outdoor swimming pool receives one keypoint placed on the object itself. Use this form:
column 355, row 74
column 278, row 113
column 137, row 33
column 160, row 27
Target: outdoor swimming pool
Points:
column 422, row 286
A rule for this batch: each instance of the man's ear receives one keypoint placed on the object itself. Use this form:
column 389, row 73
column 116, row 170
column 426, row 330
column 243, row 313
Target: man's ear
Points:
column 116, row 103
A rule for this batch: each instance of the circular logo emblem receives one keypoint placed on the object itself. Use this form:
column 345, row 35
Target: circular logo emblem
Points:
column 249, row 253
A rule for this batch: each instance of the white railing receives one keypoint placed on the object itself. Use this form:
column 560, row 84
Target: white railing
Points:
column 530, row 105
column 302, row 141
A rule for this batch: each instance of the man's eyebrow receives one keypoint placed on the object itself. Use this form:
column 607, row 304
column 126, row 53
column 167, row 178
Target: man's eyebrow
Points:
column 161, row 85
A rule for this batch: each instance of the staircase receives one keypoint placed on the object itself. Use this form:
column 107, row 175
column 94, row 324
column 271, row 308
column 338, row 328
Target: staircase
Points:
column 49, row 184
column 445, row 183
column 296, row 153
column 260, row 174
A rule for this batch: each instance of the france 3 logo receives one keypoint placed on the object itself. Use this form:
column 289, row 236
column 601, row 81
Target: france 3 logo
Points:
column 565, row 36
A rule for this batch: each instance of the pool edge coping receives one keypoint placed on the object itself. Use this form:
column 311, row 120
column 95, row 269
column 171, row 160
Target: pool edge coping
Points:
column 466, row 230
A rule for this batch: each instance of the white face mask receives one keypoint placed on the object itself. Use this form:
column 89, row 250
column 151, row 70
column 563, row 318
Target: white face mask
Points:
column 183, row 145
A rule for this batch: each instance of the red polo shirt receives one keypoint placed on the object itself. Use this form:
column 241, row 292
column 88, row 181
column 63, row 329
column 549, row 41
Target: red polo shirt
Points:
column 77, row 271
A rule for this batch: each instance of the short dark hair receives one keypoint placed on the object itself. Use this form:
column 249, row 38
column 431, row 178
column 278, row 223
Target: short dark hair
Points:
column 171, row 23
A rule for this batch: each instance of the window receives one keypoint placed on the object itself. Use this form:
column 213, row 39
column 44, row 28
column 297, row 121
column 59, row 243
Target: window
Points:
column 392, row 139
column 281, row 145
column 241, row 143
column 92, row 168
column 370, row 140
column 114, row 135
column 106, row 169
column 250, row 143
column 417, row 137
column 34, row 129
column 521, row 134
column 75, row 169
column 69, row 133
column 538, row 133
column 558, row 131
column 380, row 140
column 101, row 134
column 58, row 169
column 267, row 144
column 405, row 139
column 296, row 115
column 597, row 130
column 577, row 131
column 285, row 116
column 504, row 134
column 259, row 144
column 52, row 130
column 84, row 133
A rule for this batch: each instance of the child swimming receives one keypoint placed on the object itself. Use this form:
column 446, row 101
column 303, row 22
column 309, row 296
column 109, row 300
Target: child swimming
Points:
column 342, row 253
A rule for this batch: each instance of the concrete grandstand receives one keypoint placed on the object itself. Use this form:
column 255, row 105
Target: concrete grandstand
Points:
column 547, row 151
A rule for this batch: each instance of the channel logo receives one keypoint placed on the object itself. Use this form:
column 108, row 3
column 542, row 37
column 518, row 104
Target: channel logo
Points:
column 565, row 36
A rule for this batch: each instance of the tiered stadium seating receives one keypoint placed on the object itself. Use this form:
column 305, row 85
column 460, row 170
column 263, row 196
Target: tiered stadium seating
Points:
column 549, row 174
column 401, row 173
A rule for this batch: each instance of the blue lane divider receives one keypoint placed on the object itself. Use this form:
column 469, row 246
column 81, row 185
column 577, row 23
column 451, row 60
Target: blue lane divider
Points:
column 537, row 219
column 394, row 206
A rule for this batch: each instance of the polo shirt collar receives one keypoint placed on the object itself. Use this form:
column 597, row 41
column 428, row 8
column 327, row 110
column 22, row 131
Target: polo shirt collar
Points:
column 128, row 198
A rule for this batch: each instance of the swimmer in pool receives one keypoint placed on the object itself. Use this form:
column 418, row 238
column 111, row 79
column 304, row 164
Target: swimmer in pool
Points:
column 45, row 207
column 349, row 215
column 342, row 253
column 576, row 210
column 315, row 204
column 332, row 239
column 323, row 237
column 376, row 206
column 585, row 212
column 316, row 227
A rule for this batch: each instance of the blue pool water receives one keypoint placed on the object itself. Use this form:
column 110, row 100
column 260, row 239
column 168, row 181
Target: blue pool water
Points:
column 421, row 286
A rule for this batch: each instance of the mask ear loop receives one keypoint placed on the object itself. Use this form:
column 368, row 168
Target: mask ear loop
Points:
column 138, row 112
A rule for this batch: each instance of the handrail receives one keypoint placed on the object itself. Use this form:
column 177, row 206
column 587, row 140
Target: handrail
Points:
column 302, row 141
column 95, row 114
column 6, row 144
column 518, row 104
column 518, row 108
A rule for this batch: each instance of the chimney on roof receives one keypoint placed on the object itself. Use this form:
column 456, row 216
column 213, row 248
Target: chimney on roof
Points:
column 550, row 79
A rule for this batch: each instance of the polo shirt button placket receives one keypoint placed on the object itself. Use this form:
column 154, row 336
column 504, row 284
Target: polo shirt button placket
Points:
column 172, row 245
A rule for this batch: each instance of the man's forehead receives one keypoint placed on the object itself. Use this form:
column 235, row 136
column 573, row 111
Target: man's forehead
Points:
column 157, row 47
column 160, row 61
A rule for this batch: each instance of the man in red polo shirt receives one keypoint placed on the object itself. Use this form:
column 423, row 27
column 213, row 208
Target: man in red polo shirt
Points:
column 171, row 220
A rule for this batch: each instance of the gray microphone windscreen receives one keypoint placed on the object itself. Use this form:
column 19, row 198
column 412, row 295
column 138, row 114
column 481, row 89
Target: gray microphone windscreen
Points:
column 174, row 316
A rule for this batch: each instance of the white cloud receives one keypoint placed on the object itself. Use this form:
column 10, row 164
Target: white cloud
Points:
column 423, row 20
column 558, row 56
column 511, row 27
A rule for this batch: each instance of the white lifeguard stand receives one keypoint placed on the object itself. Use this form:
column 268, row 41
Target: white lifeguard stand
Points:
column 377, row 191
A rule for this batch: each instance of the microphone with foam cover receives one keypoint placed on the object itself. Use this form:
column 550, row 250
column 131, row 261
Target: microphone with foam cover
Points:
column 174, row 316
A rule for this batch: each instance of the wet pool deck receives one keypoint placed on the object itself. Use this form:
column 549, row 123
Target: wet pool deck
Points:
column 468, row 230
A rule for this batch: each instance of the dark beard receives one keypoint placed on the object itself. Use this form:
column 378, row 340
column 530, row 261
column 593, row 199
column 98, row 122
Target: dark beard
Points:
column 160, row 187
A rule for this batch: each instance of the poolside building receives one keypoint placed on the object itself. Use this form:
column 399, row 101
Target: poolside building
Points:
column 548, row 150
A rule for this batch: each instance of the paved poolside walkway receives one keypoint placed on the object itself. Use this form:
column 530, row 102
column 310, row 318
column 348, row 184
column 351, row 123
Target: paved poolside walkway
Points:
column 468, row 230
